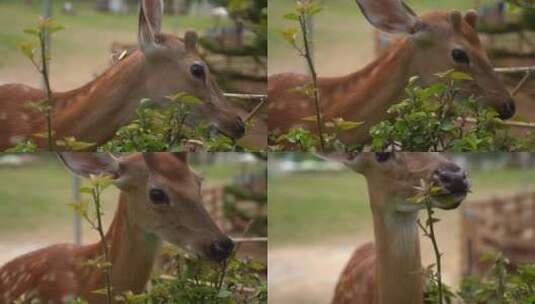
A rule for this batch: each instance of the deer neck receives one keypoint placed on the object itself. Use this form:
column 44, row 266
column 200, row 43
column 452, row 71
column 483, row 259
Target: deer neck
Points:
column 399, row 278
column 366, row 95
column 94, row 112
column 132, row 250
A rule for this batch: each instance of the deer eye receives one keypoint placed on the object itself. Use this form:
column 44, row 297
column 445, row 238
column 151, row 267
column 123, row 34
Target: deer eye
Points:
column 460, row 56
column 382, row 156
column 197, row 70
column 158, row 197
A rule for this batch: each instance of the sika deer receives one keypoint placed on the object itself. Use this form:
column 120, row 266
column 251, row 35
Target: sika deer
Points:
column 433, row 43
column 163, row 65
column 160, row 199
column 390, row 271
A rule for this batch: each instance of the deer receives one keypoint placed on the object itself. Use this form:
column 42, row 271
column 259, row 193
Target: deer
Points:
column 390, row 270
column 162, row 65
column 432, row 43
column 159, row 200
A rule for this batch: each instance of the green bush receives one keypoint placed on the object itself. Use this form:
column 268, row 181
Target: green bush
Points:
column 431, row 118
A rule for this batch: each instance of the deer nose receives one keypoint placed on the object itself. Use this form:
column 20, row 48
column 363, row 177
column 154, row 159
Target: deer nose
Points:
column 508, row 109
column 221, row 250
column 453, row 179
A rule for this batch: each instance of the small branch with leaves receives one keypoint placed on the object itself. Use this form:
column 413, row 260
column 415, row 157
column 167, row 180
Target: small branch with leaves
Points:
column 97, row 185
column 425, row 193
column 306, row 9
column 44, row 29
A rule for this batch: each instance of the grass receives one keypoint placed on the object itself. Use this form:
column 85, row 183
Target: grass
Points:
column 36, row 195
column 319, row 207
column 343, row 38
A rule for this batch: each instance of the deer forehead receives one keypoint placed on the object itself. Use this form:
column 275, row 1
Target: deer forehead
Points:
column 440, row 24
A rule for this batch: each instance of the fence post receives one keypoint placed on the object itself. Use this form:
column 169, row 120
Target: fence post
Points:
column 77, row 222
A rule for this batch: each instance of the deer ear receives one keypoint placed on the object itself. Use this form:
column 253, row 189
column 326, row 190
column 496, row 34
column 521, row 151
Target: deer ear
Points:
column 86, row 164
column 352, row 160
column 150, row 22
column 456, row 18
column 392, row 16
column 471, row 18
column 190, row 39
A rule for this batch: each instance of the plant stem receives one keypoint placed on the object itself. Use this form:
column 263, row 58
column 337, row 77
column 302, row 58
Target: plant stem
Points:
column 107, row 270
column 307, row 54
column 225, row 264
column 46, row 80
column 438, row 256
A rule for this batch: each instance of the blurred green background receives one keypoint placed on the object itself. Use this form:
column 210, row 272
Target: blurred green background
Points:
column 318, row 207
column 34, row 195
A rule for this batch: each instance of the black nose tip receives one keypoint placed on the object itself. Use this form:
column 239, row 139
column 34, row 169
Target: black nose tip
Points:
column 453, row 179
column 221, row 250
column 508, row 109
column 240, row 127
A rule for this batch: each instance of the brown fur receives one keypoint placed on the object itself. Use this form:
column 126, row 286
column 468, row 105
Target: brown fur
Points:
column 57, row 273
column 390, row 271
column 61, row 272
column 357, row 282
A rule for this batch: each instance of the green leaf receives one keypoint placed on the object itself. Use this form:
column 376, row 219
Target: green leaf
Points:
column 291, row 16
column 42, row 135
column 313, row 9
column 456, row 75
column 309, row 118
column 102, row 291
column 28, row 49
column 185, row 98
column 344, row 125
column 32, row 31
column 55, row 28
column 290, row 35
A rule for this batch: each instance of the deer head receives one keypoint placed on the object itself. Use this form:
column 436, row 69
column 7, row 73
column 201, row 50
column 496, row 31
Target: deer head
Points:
column 164, row 198
column 172, row 65
column 442, row 41
column 393, row 178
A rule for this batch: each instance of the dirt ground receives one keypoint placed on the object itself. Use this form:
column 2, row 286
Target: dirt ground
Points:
column 308, row 274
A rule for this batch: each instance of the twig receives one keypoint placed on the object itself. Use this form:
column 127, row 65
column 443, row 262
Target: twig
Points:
column 107, row 267
column 46, row 80
column 431, row 235
column 515, row 70
column 225, row 264
column 307, row 54
column 250, row 240
column 255, row 110
column 520, row 83
column 516, row 124
column 246, row 96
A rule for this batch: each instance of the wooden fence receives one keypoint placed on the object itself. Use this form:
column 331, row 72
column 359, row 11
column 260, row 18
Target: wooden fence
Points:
column 505, row 225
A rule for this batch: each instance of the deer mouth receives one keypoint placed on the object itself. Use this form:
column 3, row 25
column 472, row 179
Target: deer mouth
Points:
column 449, row 199
column 234, row 129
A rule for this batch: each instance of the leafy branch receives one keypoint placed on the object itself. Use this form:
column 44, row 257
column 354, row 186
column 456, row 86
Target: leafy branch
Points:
column 306, row 9
column 45, row 28
column 98, row 185
column 425, row 193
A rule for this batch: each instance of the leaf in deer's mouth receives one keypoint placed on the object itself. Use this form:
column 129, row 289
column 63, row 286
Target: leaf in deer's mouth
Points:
column 449, row 200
